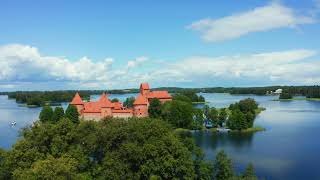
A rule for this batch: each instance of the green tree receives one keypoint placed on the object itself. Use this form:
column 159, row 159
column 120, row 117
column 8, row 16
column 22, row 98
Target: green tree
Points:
column 58, row 113
column 154, row 109
column 198, row 119
column 46, row 114
column 285, row 95
column 72, row 113
column 213, row 116
column 222, row 167
column 222, row 116
column 181, row 97
column 115, row 100
column 129, row 102
column 178, row 113
column 237, row 120
column 249, row 173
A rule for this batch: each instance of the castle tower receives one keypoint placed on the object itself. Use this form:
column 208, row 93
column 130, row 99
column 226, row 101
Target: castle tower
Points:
column 144, row 89
column 106, row 105
column 77, row 101
column 140, row 106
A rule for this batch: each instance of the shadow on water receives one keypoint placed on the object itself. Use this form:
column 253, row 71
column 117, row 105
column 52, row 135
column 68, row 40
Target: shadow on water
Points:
column 215, row 140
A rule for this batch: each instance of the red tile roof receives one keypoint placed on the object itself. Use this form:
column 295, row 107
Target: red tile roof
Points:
column 117, row 105
column 92, row 107
column 104, row 101
column 144, row 86
column 76, row 100
column 159, row 95
column 141, row 100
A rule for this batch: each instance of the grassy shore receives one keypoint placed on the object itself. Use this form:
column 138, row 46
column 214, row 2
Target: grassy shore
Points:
column 200, row 102
column 298, row 99
column 249, row 130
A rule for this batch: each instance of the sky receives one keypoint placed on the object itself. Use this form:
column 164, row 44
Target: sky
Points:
column 97, row 44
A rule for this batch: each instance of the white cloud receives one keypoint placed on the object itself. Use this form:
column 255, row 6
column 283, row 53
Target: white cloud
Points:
column 286, row 67
column 23, row 66
column 21, row 63
column 260, row 19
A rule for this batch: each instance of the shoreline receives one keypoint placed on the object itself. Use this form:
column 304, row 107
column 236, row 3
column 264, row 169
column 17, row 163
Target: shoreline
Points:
column 297, row 99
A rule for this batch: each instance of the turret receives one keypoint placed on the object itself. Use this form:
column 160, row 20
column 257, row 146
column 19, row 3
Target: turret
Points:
column 140, row 106
column 77, row 101
column 144, row 89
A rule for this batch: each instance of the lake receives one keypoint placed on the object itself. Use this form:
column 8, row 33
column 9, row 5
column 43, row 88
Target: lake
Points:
column 289, row 149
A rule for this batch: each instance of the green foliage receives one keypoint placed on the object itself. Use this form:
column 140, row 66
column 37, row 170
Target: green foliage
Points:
column 50, row 168
column 198, row 119
column 243, row 114
column 181, row 97
column 188, row 96
column 72, row 114
column 222, row 116
column 115, row 100
column 237, row 120
column 178, row 113
column 223, row 168
column 285, row 95
column 129, row 102
column 213, row 116
column 109, row 149
column 249, row 173
column 40, row 98
column 58, row 113
column 46, row 114
column 154, row 109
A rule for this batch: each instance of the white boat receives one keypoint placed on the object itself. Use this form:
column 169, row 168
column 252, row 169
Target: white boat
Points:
column 13, row 123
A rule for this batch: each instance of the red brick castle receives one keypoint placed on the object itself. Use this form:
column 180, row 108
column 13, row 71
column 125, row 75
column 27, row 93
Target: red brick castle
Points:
column 105, row 108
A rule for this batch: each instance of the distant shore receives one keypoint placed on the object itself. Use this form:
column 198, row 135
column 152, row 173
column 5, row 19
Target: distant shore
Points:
column 298, row 99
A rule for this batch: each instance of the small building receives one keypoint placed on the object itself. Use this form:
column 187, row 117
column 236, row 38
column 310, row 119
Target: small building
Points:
column 105, row 108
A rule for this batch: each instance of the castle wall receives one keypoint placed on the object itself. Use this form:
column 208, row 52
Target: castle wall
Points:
column 141, row 110
column 91, row 116
column 105, row 112
column 122, row 115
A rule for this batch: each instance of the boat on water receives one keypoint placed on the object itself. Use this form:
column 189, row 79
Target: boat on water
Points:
column 13, row 123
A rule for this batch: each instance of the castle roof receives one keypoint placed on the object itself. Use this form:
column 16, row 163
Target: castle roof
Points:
column 144, row 86
column 159, row 95
column 77, row 100
column 104, row 101
column 92, row 107
column 141, row 100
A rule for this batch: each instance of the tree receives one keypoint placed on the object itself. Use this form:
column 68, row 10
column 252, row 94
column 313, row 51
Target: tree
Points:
column 46, row 114
column 222, row 116
column 154, row 109
column 249, row 173
column 237, row 120
column 198, row 119
column 58, row 113
column 181, row 97
column 178, row 113
column 72, row 113
column 213, row 116
column 115, row 100
column 222, row 167
column 50, row 168
column 285, row 95
column 129, row 102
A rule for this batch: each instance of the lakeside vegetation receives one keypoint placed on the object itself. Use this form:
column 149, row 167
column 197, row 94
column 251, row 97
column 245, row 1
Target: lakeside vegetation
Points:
column 60, row 146
column 40, row 98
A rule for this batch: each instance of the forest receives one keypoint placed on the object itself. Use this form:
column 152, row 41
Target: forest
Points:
column 61, row 146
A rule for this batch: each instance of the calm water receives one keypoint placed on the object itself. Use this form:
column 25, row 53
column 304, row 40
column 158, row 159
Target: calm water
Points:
column 289, row 149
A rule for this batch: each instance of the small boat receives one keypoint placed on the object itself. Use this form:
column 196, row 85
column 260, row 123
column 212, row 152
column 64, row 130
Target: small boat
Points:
column 13, row 123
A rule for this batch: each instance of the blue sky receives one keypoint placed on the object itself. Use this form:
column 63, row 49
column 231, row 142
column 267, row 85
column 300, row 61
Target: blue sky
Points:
column 118, row 44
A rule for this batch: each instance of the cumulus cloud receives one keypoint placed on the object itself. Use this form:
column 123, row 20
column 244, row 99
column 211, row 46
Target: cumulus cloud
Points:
column 24, row 66
column 285, row 67
column 272, row 16
column 22, row 63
